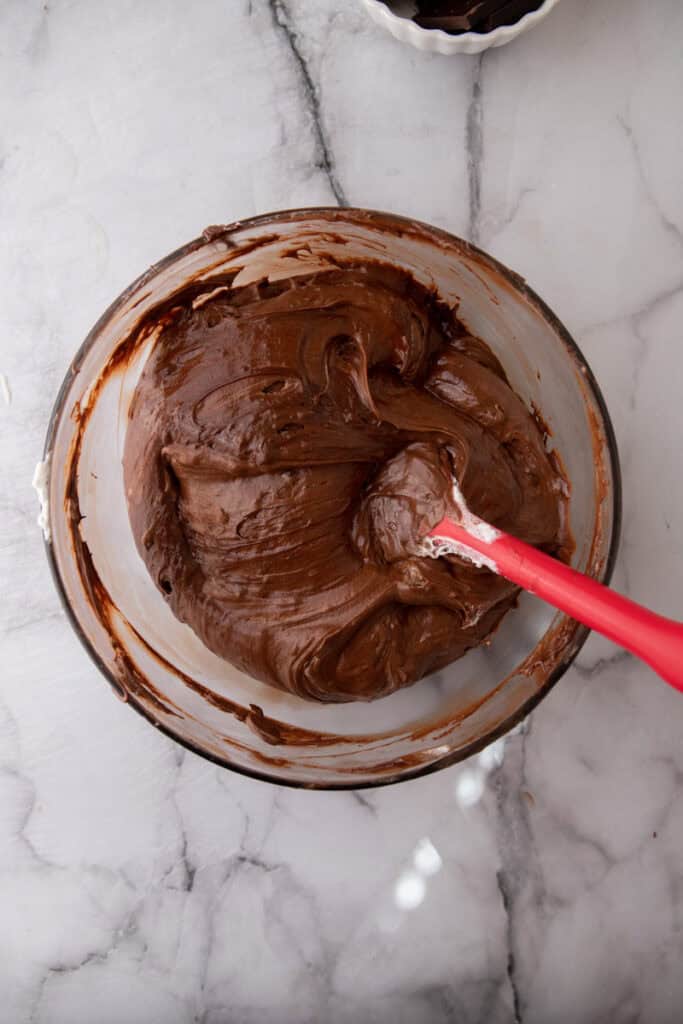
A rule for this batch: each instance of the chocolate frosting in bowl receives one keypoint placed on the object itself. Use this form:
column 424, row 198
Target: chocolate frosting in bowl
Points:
column 124, row 616
column 289, row 445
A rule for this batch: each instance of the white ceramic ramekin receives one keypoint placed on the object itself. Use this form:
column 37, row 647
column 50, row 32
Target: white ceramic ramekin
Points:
column 434, row 40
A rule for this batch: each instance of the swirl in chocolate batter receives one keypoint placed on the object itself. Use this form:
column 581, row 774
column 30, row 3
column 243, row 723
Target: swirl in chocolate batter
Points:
column 291, row 443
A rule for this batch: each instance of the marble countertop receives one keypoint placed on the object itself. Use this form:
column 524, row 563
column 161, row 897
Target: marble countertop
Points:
column 139, row 883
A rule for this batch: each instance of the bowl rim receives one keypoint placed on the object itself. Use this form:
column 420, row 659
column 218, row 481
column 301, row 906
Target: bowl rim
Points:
column 502, row 32
column 577, row 637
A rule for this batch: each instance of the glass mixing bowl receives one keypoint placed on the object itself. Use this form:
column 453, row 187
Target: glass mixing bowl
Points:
column 161, row 667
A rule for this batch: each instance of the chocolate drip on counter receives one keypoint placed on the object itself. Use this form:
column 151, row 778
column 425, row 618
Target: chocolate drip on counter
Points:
column 290, row 444
column 471, row 15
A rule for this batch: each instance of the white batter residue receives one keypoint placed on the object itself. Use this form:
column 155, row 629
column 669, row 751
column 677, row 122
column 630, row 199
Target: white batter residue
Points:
column 435, row 547
column 41, row 477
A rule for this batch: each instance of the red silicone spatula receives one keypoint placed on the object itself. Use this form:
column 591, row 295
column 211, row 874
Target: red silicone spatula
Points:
column 655, row 639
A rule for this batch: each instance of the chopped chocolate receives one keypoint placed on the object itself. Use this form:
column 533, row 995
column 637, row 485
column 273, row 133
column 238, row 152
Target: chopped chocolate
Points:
column 471, row 15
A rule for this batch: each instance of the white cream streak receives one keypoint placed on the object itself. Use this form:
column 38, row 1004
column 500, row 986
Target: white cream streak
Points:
column 435, row 547
column 40, row 483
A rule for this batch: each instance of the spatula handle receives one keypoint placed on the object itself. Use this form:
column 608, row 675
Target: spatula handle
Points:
column 655, row 639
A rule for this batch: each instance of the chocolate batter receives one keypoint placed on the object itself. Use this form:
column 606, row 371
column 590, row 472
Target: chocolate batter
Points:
column 457, row 16
column 291, row 443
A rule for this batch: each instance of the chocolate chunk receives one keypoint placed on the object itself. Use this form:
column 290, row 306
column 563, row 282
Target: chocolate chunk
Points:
column 471, row 15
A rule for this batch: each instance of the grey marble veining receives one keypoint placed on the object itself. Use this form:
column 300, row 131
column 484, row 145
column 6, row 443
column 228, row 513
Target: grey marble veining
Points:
column 541, row 885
